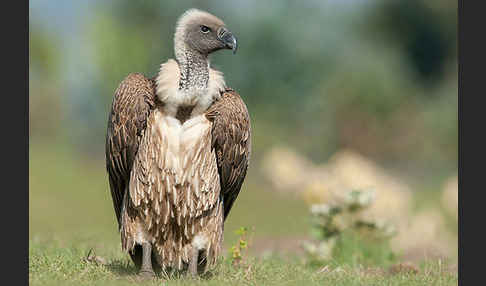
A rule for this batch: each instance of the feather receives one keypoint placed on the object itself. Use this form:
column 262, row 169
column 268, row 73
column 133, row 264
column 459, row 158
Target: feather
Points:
column 232, row 162
column 118, row 158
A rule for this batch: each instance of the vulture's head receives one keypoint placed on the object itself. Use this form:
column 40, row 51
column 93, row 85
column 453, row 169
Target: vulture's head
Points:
column 203, row 33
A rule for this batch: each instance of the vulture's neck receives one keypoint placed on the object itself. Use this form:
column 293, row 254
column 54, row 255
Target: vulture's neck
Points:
column 194, row 69
column 184, row 86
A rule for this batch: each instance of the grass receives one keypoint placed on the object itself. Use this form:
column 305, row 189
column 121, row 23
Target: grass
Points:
column 51, row 264
column 70, row 213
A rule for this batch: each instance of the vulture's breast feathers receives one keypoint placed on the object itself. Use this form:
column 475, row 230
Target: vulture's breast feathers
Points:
column 176, row 174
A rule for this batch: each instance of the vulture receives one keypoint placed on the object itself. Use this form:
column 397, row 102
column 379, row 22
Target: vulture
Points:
column 177, row 151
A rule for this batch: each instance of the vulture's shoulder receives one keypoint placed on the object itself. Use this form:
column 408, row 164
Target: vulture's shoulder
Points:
column 135, row 87
column 231, row 139
column 132, row 103
column 229, row 107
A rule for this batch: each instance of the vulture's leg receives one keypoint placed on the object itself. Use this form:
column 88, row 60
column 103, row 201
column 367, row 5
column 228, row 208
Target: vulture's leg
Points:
column 193, row 261
column 146, row 269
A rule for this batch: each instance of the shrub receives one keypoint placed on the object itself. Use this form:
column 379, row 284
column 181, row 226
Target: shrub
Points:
column 343, row 236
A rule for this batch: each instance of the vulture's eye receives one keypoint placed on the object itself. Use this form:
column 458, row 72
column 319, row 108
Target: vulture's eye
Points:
column 205, row 29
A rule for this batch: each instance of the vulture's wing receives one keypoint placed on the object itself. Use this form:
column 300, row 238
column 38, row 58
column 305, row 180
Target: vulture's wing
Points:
column 132, row 103
column 232, row 143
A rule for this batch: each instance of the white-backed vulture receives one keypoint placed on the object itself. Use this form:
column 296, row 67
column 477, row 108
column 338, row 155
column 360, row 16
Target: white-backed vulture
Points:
column 177, row 151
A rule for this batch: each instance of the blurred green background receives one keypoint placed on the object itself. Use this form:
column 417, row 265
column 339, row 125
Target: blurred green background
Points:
column 375, row 76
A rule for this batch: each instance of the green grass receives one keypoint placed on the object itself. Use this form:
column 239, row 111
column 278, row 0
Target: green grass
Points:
column 52, row 264
column 70, row 213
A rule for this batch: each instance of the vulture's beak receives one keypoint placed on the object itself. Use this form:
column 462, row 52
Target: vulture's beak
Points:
column 228, row 39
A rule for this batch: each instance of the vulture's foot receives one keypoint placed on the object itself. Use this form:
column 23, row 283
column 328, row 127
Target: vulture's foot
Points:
column 193, row 262
column 146, row 270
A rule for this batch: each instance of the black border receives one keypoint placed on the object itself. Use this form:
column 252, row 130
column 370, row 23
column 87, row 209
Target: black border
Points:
column 471, row 118
column 15, row 143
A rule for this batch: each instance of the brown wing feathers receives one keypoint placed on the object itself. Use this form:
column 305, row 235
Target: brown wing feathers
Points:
column 132, row 103
column 231, row 140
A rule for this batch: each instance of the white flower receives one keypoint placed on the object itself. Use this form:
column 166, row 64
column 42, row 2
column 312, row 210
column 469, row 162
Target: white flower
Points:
column 320, row 209
column 365, row 198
